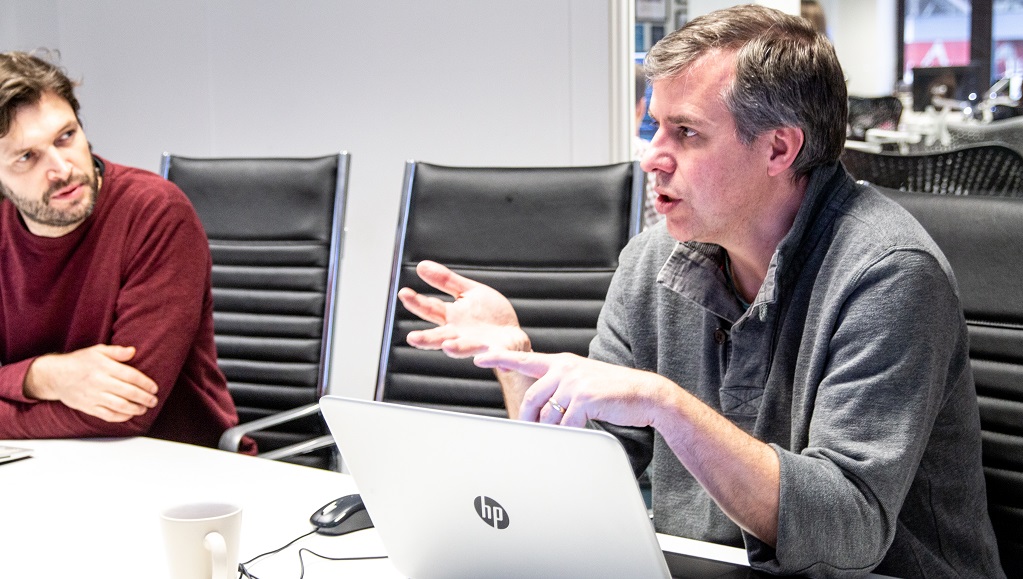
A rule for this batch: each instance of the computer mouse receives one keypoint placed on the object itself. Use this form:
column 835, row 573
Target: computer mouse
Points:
column 340, row 516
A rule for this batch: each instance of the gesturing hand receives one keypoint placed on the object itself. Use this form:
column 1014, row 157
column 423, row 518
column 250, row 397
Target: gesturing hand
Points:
column 94, row 380
column 571, row 389
column 480, row 318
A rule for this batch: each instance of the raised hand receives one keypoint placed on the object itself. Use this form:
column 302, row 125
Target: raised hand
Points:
column 479, row 319
column 94, row 380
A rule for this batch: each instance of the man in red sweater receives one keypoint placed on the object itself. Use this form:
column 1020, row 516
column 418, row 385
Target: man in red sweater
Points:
column 106, row 312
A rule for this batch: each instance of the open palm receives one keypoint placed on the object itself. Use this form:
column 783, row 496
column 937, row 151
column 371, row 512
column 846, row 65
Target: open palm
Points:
column 478, row 320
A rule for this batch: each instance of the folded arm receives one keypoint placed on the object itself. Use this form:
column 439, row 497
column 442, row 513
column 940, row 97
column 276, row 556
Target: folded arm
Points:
column 96, row 380
column 117, row 386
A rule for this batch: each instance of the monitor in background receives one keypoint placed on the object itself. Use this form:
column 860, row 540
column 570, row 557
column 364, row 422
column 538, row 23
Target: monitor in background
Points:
column 949, row 82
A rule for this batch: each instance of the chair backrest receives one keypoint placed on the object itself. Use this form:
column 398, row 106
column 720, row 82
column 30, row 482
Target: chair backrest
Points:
column 547, row 238
column 1008, row 132
column 982, row 237
column 987, row 169
column 873, row 113
column 274, row 227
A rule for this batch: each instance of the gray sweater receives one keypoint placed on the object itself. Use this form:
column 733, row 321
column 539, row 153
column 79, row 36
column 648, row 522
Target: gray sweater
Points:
column 851, row 362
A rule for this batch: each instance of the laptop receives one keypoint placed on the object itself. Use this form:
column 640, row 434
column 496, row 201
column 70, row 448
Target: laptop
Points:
column 457, row 495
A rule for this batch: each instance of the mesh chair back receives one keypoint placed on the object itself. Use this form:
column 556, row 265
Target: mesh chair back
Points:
column 1008, row 132
column 547, row 238
column 873, row 113
column 976, row 170
column 982, row 237
column 274, row 231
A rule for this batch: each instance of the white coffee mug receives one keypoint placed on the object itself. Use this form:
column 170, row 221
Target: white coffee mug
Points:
column 202, row 540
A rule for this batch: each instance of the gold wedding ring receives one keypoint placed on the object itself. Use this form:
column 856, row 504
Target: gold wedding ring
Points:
column 554, row 404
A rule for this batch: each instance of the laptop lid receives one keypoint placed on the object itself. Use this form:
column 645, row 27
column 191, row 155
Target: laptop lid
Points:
column 458, row 495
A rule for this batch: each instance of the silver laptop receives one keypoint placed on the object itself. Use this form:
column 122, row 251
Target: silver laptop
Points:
column 457, row 495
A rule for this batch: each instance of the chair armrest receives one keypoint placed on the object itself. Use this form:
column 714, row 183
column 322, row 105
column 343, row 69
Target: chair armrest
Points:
column 298, row 448
column 231, row 438
column 863, row 146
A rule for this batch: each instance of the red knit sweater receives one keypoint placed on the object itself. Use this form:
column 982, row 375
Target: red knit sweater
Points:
column 135, row 273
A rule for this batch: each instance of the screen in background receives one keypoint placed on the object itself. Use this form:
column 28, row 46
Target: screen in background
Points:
column 952, row 82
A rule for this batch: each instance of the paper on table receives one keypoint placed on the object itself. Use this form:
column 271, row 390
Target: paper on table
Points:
column 12, row 453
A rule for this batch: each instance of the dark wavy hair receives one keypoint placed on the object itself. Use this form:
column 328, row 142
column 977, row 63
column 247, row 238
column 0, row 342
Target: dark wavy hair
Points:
column 786, row 75
column 24, row 78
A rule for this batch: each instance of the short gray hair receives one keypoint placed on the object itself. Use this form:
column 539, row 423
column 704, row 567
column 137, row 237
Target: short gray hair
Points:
column 786, row 75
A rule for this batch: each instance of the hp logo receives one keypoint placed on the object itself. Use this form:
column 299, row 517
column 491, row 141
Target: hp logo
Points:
column 491, row 512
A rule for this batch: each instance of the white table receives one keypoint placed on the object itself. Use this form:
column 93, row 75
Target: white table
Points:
column 91, row 509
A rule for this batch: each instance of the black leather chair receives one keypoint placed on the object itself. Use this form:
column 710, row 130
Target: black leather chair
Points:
column 982, row 237
column 547, row 238
column 987, row 169
column 274, row 227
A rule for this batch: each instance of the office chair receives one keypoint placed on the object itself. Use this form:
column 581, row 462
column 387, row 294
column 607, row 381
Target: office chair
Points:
column 1008, row 132
column 986, row 169
column 274, row 227
column 982, row 237
column 548, row 238
column 872, row 113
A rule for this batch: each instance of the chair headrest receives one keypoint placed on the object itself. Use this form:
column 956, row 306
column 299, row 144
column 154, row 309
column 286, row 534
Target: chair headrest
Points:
column 982, row 237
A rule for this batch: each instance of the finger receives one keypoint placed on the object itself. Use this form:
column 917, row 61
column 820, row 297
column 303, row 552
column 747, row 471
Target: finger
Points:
column 575, row 416
column 107, row 415
column 531, row 364
column 116, row 353
column 119, row 405
column 443, row 278
column 551, row 415
column 126, row 373
column 463, row 347
column 428, row 308
column 133, row 385
column 534, row 401
column 432, row 339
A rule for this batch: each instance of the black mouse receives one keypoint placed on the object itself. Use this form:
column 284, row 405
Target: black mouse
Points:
column 340, row 516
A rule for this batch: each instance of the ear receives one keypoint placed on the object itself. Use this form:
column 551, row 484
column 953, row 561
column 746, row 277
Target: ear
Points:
column 785, row 144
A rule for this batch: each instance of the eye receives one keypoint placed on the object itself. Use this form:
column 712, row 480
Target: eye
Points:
column 686, row 132
column 25, row 158
column 66, row 136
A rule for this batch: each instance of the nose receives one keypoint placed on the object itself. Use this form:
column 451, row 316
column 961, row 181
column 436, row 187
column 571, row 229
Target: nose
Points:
column 657, row 157
column 59, row 168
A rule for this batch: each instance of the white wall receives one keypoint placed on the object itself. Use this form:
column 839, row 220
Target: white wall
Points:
column 700, row 7
column 446, row 81
column 864, row 35
column 863, row 32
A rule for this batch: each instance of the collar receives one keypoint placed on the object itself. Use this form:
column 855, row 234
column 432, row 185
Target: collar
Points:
column 696, row 270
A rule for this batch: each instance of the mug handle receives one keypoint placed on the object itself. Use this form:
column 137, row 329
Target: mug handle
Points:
column 214, row 543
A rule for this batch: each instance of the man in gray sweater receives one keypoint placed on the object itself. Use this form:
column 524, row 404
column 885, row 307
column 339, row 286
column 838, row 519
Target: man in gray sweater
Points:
column 788, row 352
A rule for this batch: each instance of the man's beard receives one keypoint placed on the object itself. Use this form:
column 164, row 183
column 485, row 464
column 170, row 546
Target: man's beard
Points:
column 40, row 211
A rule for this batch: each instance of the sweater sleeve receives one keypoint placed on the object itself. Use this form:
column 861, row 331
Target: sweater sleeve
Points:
column 892, row 365
column 12, row 380
column 164, row 268
column 612, row 344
